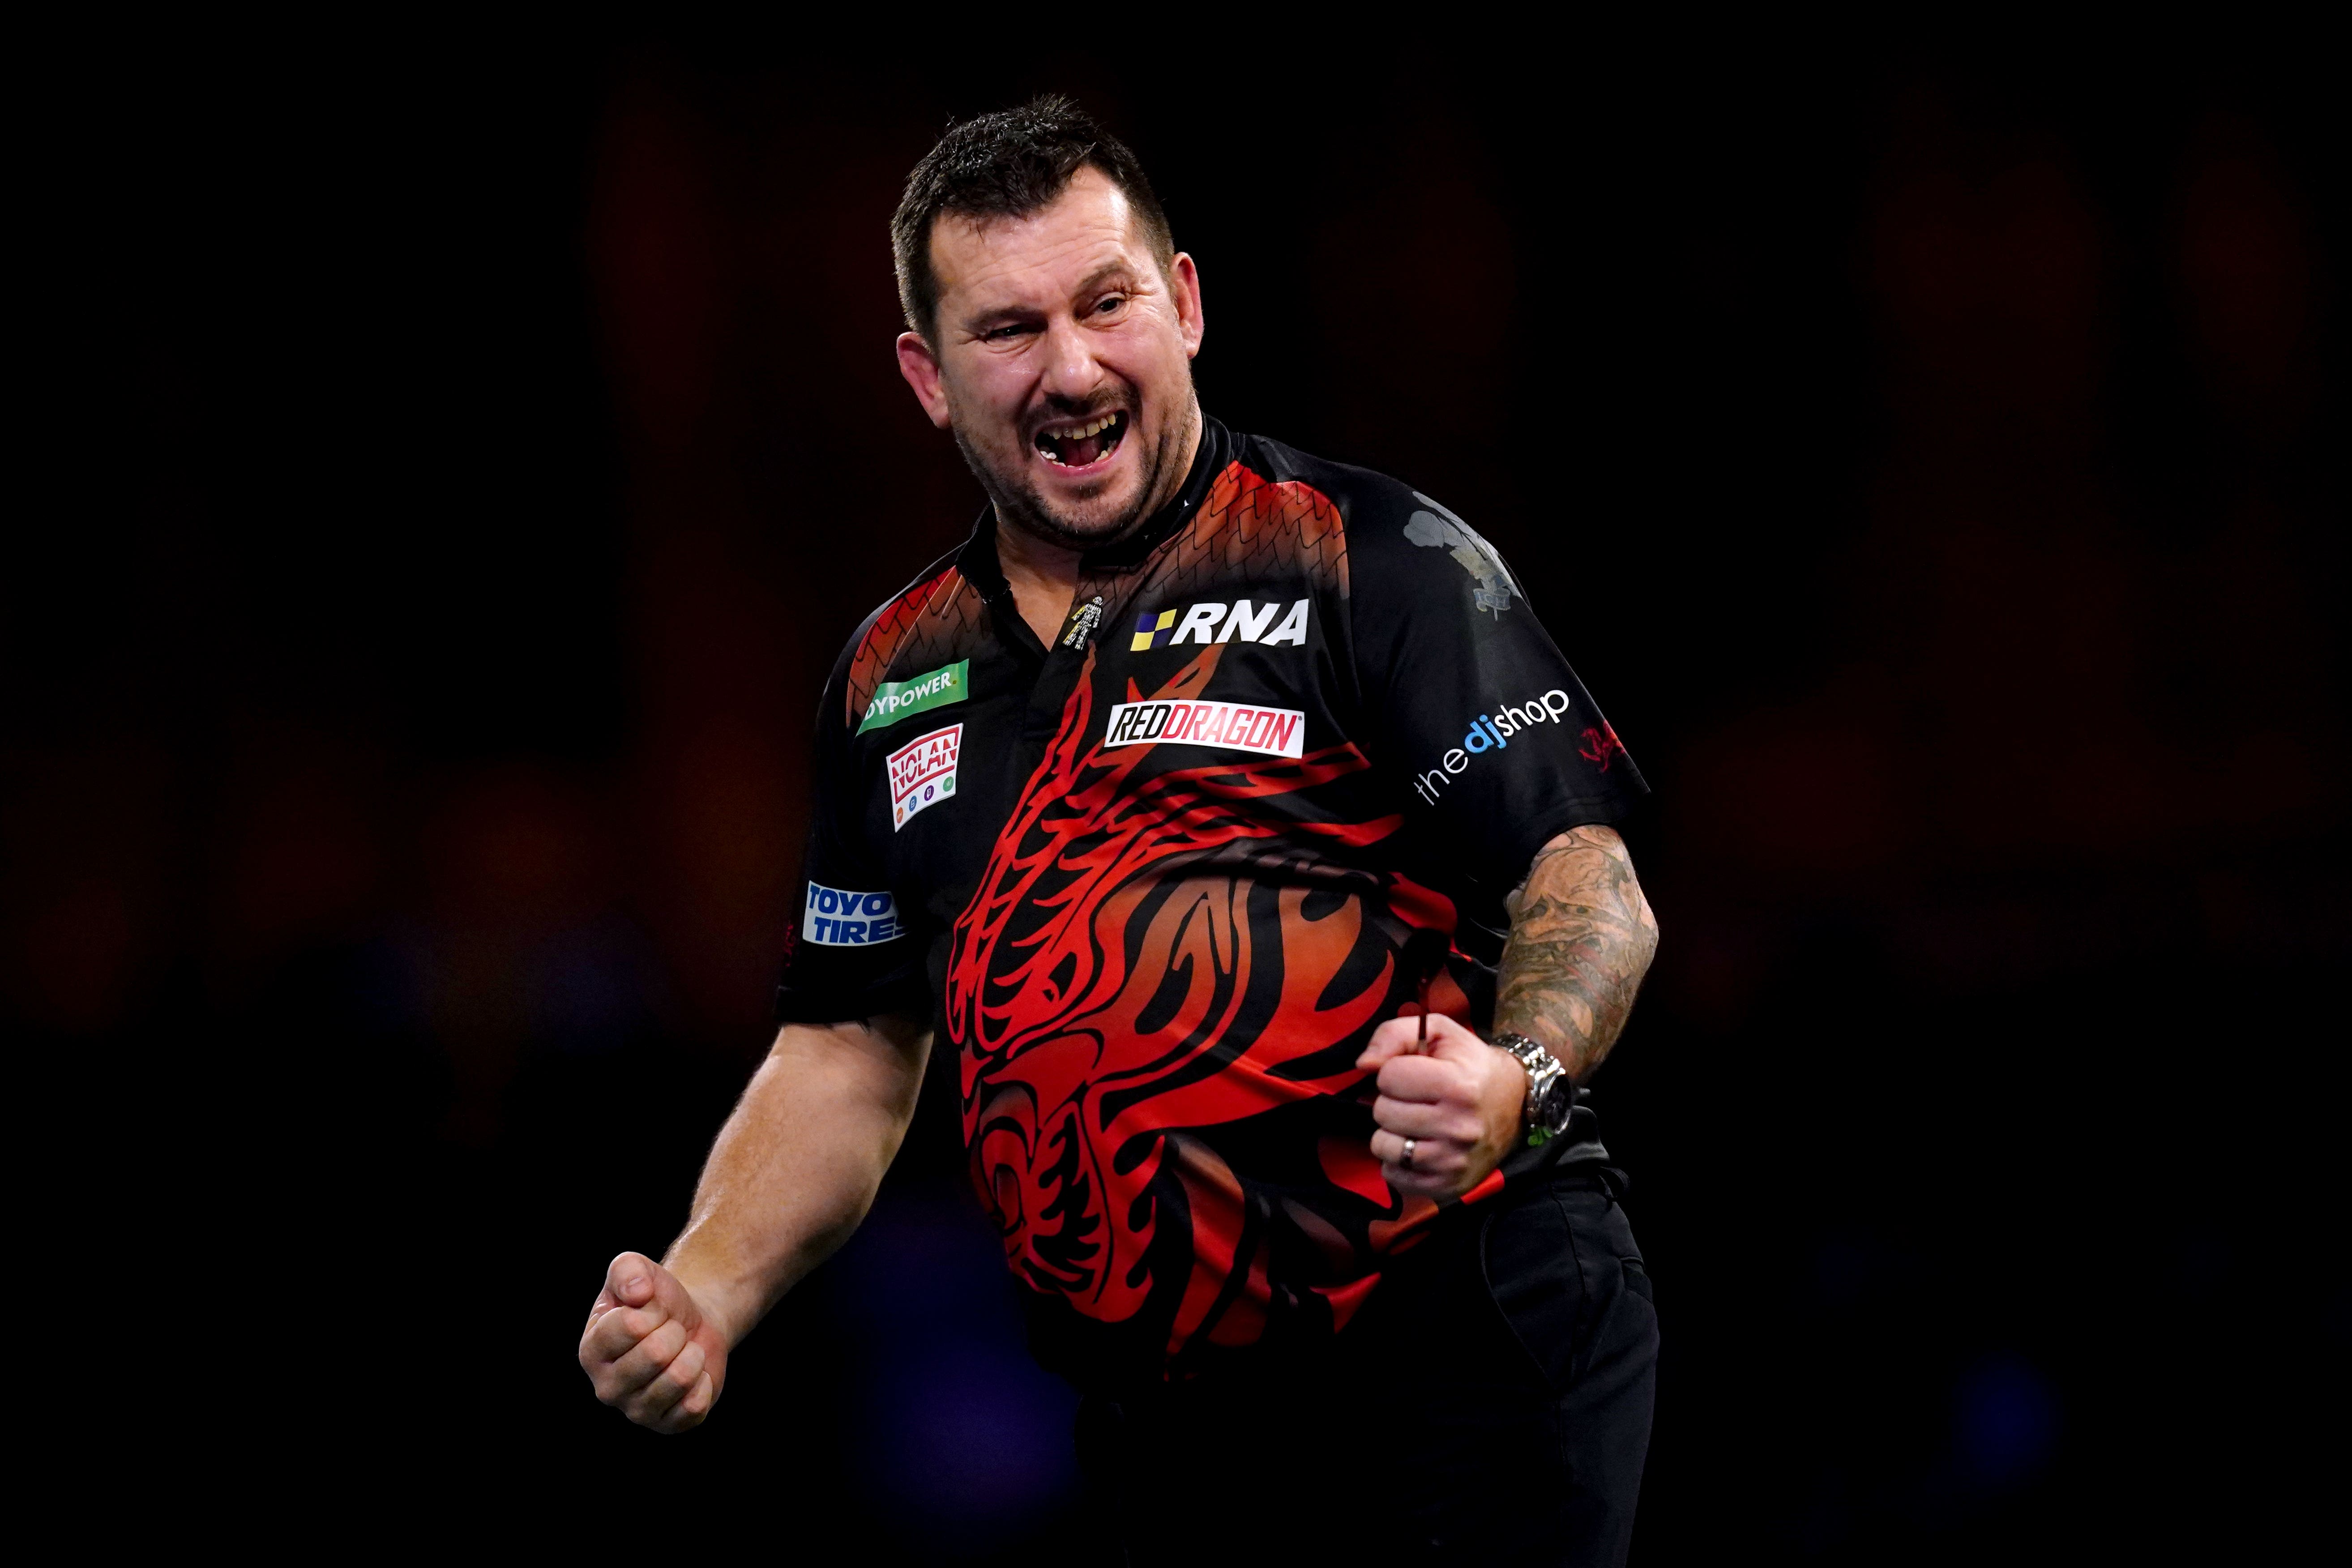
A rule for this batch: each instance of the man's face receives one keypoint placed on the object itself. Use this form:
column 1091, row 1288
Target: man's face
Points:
column 1062, row 361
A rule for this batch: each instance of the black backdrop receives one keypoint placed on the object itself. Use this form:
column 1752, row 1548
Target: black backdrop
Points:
column 460, row 459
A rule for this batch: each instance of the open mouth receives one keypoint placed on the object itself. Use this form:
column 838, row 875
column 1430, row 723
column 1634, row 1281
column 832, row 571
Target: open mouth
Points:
column 1082, row 446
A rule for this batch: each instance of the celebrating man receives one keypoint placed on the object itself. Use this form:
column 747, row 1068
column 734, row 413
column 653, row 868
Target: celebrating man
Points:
column 1252, row 846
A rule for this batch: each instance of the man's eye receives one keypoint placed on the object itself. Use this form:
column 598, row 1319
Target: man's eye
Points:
column 1112, row 303
column 998, row 334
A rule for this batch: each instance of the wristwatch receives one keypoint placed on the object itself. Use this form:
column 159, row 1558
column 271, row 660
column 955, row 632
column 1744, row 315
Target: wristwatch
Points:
column 1551, row 1093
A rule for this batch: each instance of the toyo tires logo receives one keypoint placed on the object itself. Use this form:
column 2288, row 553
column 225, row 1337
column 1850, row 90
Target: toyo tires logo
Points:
column 842, row 916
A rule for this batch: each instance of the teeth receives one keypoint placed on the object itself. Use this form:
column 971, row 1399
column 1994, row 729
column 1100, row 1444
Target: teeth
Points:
column 1080, row 434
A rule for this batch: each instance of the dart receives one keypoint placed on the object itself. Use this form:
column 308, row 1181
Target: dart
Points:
column 1424, row 956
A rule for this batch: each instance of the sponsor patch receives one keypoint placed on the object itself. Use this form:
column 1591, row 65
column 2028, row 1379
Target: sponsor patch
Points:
column 1492, row 733
column 923, row 773
column 841, row 917
column 1220, row 621
column 1231, row 726
column 897, row 699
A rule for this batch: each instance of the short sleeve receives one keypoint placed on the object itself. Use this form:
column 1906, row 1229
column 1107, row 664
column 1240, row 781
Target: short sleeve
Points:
column 1496, row 742
column 852, row 951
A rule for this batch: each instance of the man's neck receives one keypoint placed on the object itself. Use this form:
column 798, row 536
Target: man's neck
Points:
column 1044, row 576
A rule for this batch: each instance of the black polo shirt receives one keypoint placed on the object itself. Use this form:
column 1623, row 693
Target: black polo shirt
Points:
column 1155, row 882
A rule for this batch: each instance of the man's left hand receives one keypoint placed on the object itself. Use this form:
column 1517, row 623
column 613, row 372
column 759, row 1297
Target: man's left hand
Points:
column 1456, row 1097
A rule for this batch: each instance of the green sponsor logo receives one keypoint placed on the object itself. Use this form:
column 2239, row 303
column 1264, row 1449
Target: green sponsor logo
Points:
column 903, row 699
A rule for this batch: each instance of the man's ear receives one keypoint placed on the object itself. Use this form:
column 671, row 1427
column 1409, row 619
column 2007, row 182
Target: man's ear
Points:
column 1184, row 283
column 921, row 366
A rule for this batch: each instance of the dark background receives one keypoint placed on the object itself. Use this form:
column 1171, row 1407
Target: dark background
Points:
column 459, row 460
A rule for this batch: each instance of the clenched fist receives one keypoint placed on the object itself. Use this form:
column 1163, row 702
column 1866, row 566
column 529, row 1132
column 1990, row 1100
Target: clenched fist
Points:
column 649, row 1349
column 1456, row 1097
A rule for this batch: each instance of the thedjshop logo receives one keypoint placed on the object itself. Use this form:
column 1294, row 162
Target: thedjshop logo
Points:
column 923, row 773
column 1492, row 733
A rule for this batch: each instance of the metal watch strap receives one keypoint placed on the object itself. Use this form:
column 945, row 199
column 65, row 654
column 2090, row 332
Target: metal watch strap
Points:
column 1543, row 1071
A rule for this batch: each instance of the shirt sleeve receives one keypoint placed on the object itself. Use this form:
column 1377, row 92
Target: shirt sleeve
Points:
column 1498, row 745
column 851, row 951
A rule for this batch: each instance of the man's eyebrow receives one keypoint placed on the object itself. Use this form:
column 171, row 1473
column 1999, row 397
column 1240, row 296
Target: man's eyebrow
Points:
column 1108, row 269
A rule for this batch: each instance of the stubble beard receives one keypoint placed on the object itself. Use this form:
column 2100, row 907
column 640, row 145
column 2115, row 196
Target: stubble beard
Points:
column 1021, row 507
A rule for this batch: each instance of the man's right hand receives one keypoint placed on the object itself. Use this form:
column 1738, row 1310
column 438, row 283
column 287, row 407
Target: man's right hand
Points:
column 649, row 1349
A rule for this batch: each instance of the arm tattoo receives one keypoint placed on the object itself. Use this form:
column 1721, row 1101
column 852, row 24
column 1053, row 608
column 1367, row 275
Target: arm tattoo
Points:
column 1582, row 938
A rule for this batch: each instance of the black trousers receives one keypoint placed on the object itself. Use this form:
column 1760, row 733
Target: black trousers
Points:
column 1492, row 1401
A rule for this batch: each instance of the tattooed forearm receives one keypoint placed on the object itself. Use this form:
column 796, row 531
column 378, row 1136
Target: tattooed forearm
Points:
column 1582, row 938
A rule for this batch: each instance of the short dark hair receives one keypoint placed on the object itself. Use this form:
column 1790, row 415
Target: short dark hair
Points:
column 1010, row 164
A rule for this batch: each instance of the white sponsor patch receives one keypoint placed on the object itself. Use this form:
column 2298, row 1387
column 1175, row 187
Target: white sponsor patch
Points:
column 839, row 917
column 923, row 773
column 1232, row 726
column 1217, row 621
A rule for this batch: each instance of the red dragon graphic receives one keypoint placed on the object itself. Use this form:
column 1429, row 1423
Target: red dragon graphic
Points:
column 1148, row 964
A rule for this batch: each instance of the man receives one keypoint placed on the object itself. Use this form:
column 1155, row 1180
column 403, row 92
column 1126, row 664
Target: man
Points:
column 1212, row 800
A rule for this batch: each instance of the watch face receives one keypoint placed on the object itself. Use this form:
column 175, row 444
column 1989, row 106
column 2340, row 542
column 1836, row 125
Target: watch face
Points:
column 1558, row 1100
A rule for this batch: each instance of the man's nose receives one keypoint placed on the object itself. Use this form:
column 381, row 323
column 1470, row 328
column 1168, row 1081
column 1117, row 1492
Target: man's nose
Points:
column 1072, row 371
